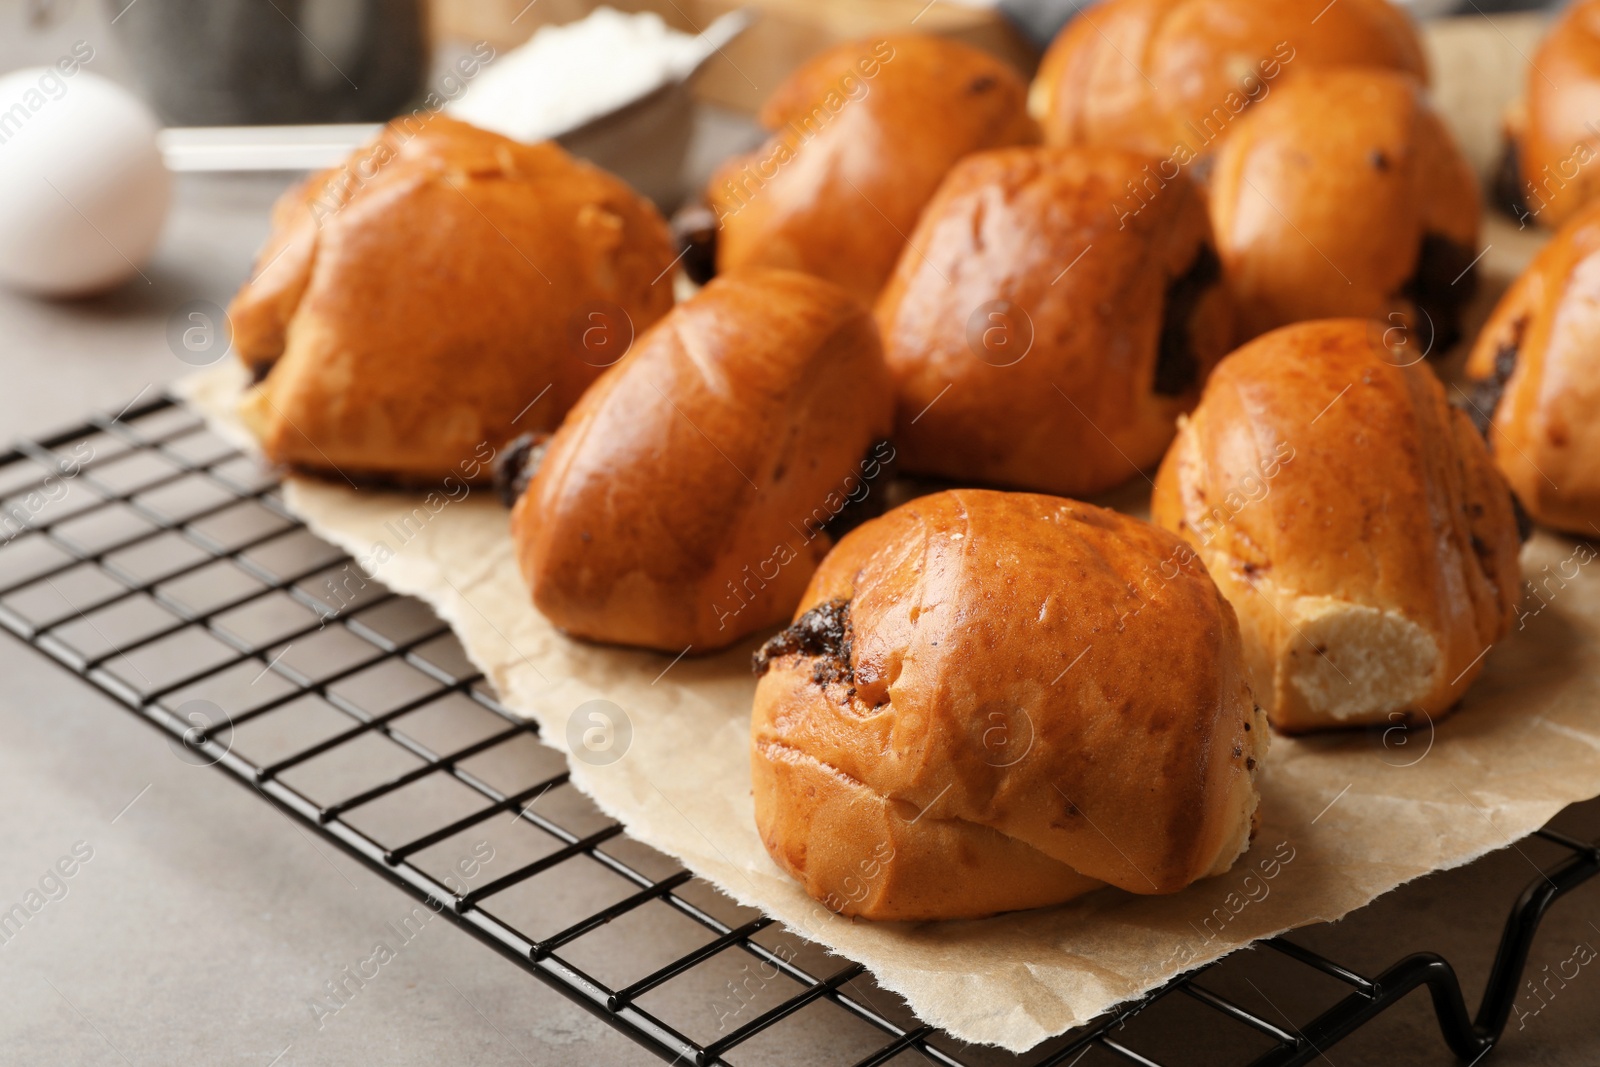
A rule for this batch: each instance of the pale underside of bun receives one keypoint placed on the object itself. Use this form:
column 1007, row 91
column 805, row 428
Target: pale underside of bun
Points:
column 1343, row 662
column 1318, row 660
column 1367, row 544
column 924, row 867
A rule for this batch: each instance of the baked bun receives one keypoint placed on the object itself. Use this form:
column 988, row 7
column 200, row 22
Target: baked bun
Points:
column 1041, row 339
column 1343, row 194
column 862, row 135
column 992, row 701
column 1536, row 375
column 443, row 290
column 1169, row 77
column 1553, row 136
column 692, row 491
column 1354, row 519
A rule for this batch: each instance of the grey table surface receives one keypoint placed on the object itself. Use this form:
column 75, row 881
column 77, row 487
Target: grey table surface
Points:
column 205, row 923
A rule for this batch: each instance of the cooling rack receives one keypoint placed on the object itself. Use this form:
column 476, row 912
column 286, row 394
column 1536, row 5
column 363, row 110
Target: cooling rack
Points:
column 158, row 563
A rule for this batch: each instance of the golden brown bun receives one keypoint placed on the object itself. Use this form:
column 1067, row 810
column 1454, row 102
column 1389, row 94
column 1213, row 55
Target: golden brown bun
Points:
column 1555, row 129
column 686, row 499
column 1344, row 194
column 1353, row 518
column 412, row 303
column 862, row 134
column 1200, row 63
column 1537, row 368
column 1121, row 339
column 993, row 701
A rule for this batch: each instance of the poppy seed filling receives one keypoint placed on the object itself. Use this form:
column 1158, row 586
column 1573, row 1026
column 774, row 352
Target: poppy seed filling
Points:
column 517, row 464
column 822, row 633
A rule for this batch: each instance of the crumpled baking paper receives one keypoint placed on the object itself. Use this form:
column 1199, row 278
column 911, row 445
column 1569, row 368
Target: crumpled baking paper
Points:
column 1346, row 817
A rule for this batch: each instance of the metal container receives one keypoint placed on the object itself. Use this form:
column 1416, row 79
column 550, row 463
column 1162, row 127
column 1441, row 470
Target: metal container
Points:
column 254, row 62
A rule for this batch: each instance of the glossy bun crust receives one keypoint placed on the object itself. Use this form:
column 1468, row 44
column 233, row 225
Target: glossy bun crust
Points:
column 412, row 303
column 1353, row 518
column 690, row 494
column 993, row 701
column 1158, row 76
column 1017, row 362
column 1553, row 132
column 862, row 135
column 1343, row 194
column 1536, row 373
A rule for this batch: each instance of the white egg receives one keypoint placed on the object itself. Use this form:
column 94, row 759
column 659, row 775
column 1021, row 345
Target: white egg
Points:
column 83, row 189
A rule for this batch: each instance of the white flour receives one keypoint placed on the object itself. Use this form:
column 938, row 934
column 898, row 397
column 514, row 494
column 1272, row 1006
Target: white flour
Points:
column 566, row 75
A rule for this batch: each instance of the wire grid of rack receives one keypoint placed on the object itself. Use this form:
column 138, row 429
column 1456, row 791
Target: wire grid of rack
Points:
column 158, row 563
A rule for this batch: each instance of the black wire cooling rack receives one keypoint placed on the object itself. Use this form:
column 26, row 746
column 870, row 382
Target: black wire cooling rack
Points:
column 158, row 563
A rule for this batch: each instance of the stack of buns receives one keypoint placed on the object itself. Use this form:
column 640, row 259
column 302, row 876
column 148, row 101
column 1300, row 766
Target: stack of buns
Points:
column 986, row 698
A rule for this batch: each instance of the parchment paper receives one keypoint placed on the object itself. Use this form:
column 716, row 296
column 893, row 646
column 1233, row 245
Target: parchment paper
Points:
column 1345, row 818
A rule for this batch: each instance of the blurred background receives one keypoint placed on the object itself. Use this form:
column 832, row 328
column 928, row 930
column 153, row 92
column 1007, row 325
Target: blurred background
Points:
column 658, row 93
